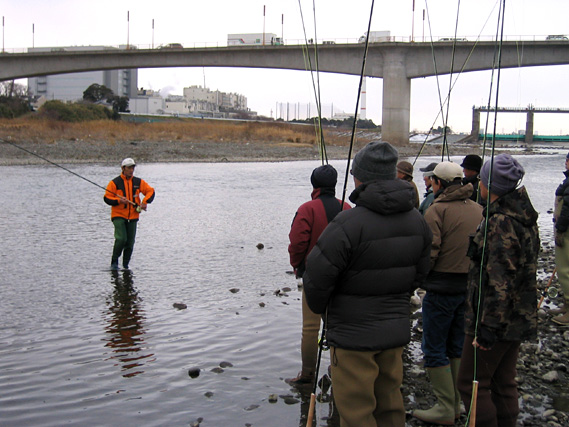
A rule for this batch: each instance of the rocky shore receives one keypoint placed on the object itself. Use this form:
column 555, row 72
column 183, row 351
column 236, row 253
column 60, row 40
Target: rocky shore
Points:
column 542, row 365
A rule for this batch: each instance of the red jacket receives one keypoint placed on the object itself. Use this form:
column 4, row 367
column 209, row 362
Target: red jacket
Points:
column 308, row 223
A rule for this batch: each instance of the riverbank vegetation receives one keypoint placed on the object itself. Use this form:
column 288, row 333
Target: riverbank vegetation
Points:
column 45, row 128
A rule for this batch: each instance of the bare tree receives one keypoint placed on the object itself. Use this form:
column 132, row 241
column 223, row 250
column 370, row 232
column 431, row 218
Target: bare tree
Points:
column 9, row 89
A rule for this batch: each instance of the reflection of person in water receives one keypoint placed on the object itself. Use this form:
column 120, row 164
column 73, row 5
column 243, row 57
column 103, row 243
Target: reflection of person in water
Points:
column 126, row 325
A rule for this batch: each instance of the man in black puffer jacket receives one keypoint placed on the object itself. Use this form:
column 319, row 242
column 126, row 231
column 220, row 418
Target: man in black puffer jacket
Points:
column 361, row 273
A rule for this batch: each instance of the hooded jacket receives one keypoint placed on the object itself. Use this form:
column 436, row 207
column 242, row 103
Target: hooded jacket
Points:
column 130, row 189
column 508, row 302
column 453, row 218
column 308, row 224
column 365, row 266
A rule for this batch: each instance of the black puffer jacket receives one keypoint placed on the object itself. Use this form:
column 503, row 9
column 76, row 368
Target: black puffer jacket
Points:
column 365, row 265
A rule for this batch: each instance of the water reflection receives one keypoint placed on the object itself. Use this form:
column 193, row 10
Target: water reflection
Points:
column 325, row 412
column 126, row 325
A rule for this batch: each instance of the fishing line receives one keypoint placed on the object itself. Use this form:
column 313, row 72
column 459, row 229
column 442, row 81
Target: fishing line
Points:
column 64, row 168
column 362, row 76
column 447, row 99
column 324, row 154
column 445, row 128
column 320, row 133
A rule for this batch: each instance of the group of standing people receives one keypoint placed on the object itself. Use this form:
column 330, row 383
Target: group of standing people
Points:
column 472, row 247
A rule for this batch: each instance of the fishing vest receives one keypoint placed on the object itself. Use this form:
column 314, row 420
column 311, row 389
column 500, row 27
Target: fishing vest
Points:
column 119, row 183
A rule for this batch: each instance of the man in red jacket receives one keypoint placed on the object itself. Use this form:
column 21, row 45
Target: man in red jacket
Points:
column 309, row 222
column 123, row 195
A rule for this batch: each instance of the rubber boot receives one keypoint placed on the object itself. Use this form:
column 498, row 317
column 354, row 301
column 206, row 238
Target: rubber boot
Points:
column 443, row 387
column 562, row 319
column 454, row 367
column 127, row 254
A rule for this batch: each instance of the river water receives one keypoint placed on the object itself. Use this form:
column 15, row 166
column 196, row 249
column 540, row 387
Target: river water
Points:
column 80, row 345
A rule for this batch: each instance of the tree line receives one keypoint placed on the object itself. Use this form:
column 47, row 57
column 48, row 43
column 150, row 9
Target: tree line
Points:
column 99, row 102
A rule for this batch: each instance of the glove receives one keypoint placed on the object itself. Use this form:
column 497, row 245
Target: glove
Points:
column 559, row 238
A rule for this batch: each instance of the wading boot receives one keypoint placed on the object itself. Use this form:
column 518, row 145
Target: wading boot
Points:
column 562, row 319
column 300, row 380
column 443, row 412
column 454, row 367
column 114, row 264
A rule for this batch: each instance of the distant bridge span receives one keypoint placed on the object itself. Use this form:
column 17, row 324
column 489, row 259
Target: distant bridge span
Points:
column 395, row 62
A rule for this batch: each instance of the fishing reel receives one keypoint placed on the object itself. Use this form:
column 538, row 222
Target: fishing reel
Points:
column 551, row 292
column 138, row 208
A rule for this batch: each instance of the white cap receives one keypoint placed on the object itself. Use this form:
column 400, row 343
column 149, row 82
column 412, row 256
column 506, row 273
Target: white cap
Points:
column 127, row 162
column 448, row 171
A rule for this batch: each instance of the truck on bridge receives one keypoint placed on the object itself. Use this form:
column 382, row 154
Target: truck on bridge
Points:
column 376, row 37
column 254, row 39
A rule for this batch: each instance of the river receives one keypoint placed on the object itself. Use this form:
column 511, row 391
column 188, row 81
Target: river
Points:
column 81, row 345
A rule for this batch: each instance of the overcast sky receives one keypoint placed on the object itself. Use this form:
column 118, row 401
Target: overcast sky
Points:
column 200, row 23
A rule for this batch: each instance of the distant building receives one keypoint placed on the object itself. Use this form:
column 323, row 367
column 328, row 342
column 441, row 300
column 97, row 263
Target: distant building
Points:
column 70, row 87
column 176, row 105
column 147, row 101
column 203, row 100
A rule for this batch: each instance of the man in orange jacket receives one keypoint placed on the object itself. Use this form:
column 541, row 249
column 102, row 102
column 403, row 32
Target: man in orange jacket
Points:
column 123, row 195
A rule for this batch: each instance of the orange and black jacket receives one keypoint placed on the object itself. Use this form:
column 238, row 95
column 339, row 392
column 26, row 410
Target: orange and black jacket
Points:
column 131, row 189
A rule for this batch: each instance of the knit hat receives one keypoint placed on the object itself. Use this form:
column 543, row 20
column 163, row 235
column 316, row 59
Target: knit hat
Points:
column 405, row 168
column 472, row 162
column 448, row 171
column 428, row 170
column 324, row 176
column 567, row 156
column 506, row 175
column 376, row 161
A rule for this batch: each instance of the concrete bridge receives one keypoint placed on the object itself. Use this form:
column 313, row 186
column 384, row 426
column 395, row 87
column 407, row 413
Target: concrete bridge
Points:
column 396, row 63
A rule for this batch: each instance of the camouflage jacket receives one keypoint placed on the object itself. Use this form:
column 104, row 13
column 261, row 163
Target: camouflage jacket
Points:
column 561, row 212
column 504, row 296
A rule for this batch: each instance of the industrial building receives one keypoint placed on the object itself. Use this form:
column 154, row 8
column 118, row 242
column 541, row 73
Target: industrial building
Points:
column 70, row 87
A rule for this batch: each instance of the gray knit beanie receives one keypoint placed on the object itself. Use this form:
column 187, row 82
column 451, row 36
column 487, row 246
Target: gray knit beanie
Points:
column 324, row 176
column 506, row 175
column 376, row 161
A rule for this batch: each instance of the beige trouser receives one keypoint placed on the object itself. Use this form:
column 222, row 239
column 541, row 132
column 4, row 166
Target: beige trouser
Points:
column 366, row 387
column 309, row 340
column 562, row 264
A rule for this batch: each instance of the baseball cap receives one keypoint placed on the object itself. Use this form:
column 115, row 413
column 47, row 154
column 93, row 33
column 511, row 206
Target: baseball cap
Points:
column 128, row 162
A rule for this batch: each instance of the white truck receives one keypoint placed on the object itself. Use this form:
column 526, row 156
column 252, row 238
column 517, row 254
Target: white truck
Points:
column 376, row 37
column 254, row 39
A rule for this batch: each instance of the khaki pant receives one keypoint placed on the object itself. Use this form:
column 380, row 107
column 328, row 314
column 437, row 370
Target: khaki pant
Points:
column 309, row 340
column 366, row 387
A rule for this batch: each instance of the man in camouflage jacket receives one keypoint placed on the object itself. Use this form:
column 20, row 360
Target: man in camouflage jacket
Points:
column 501, row 299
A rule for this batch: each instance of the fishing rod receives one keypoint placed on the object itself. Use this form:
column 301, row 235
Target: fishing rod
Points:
column 550, row 293
column 471, row 416
column 323, row 343
column 138, row 208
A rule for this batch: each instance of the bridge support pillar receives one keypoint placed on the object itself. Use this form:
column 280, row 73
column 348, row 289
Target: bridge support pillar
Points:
column 396, row 100
column 529, row 127
column 475, row 124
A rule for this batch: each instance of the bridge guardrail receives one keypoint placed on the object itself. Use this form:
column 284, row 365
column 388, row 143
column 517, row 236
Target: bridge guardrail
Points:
column 323, row 41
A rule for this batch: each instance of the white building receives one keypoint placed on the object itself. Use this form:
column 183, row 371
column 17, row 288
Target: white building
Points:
column 147, row 101
column 70, row 87
column 201, row 99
